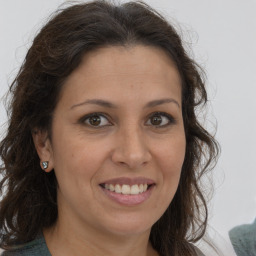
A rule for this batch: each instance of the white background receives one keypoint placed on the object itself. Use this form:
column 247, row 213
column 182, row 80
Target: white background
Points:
column 223, row 37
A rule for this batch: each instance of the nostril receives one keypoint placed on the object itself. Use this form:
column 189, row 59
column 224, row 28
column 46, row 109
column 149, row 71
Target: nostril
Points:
column 131, row 157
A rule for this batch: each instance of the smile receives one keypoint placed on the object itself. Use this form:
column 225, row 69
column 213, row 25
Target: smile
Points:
column 127, row 189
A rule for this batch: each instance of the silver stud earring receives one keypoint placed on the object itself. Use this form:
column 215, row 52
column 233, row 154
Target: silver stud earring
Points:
column 45, row 164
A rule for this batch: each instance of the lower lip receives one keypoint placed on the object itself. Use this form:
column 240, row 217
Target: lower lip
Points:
column 128, row 199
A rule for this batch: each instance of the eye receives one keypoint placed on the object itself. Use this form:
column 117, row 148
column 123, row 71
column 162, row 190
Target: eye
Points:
column 160, row 119
column 96, row 120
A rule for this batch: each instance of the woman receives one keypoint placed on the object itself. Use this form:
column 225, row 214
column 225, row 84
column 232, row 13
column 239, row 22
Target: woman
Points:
column 104, row 153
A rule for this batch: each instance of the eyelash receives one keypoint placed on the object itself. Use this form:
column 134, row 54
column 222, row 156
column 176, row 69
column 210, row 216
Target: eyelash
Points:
column 171, row 120
column 96, row 114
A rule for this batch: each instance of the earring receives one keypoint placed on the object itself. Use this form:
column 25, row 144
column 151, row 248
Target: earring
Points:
column 45, row 164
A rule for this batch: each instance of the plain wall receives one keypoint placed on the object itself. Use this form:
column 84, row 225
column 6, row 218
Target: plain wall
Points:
column 223, row 37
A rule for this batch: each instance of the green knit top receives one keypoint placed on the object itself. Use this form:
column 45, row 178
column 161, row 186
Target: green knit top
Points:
column 243, row 239
column 36, row 247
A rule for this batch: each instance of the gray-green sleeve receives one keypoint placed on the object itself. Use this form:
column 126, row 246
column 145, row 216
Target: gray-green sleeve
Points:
column 243, row 239
column 36, row 247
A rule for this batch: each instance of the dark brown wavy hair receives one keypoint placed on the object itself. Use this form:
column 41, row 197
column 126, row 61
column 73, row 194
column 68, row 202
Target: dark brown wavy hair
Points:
column 28, row 203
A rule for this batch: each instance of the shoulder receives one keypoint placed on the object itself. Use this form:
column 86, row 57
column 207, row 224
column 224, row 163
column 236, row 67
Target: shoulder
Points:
column 243, row 239
column 36, row 247
column 198, row 252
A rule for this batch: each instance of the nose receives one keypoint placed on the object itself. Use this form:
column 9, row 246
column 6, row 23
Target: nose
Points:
column 131, row 149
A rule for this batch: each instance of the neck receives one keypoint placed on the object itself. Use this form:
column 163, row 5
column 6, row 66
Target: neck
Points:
column 72, row 240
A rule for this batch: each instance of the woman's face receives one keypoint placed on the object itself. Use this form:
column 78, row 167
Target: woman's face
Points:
column 118, row 141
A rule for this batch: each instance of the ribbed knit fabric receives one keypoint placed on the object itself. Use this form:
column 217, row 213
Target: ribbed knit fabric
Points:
column 36, row 247
column 243, row 239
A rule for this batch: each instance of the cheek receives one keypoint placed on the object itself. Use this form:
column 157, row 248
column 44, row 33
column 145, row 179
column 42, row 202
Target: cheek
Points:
column 78, row 160
column 76, row 165
column 171, row 154
column 74, row 146
column 170, row 160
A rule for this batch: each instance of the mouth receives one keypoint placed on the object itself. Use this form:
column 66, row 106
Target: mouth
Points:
column 128, row 191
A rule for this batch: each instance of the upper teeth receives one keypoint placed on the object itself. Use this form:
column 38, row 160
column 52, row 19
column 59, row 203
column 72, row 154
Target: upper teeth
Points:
column 127, row 189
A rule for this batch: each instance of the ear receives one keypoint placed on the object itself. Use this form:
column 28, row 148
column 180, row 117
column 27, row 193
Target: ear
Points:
column 44, row 149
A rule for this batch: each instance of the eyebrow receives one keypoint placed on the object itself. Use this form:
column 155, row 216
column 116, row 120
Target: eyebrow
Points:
column 99, row 102
column 154, row 103
column 107, row 104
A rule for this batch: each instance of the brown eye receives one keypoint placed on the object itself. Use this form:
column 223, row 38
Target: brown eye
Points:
column 156, row 120
column 94, row 120
column 160, row 119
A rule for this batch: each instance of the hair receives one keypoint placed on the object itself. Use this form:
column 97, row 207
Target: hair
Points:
column 28, row 202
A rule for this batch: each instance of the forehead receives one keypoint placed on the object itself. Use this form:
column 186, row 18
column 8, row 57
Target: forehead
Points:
column 131, row 60
column 117, row 69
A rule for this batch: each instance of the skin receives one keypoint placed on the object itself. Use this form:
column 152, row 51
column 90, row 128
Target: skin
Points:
column 126, row 144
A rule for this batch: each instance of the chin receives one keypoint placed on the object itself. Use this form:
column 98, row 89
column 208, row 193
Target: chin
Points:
column 131, row 226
